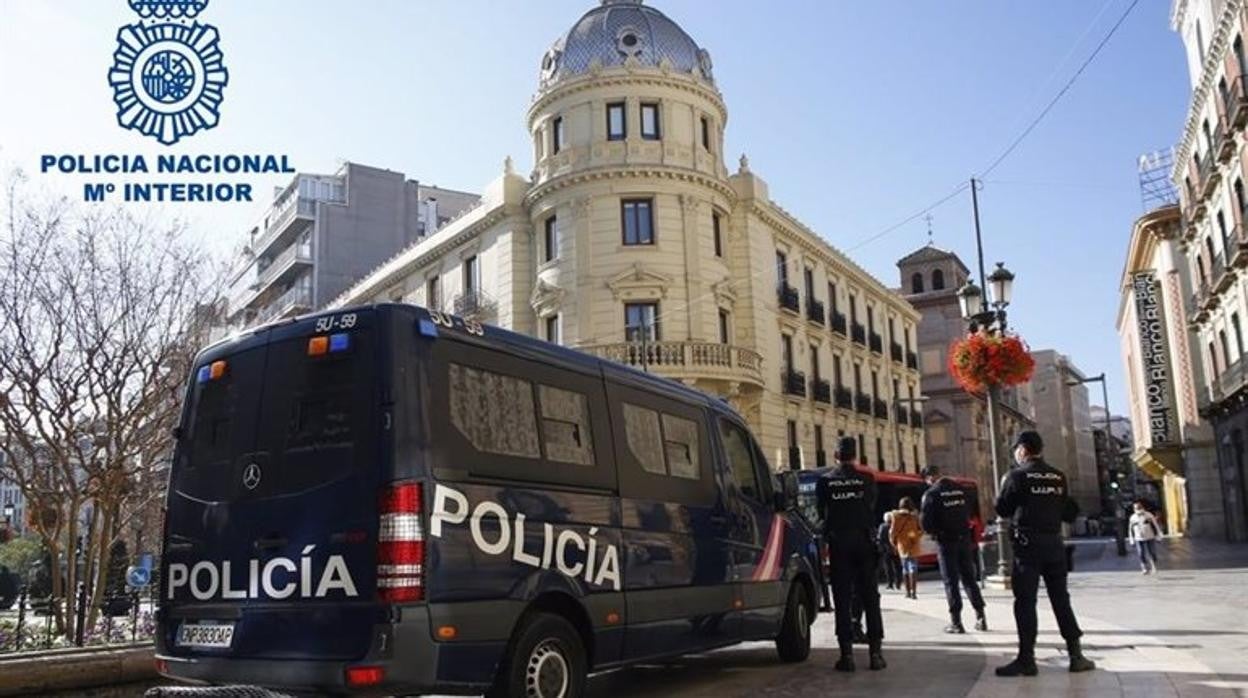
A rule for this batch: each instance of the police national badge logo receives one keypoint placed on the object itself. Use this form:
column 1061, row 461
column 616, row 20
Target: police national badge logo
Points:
column 168, row 75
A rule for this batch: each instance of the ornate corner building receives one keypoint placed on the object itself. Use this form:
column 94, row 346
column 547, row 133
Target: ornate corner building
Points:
column 1210, row 171
column 630, row 239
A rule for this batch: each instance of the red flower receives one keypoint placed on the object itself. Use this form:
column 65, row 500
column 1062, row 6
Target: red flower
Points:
column 981, row 361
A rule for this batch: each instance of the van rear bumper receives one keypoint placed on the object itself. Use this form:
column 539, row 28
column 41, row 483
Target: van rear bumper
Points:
column 411, row 660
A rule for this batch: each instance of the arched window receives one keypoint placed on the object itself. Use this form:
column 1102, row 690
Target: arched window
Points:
column 916, row 283
column 938, row 280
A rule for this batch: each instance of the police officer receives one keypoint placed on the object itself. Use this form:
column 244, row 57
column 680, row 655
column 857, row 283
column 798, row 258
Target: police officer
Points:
column 846, row 500
column 946, row 516
column 1035, row 497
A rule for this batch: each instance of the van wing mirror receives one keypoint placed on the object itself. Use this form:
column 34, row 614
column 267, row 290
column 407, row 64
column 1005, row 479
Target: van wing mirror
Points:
column 786, row 493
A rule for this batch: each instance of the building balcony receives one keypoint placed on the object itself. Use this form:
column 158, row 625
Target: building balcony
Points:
column 1223, row 143
column 288, row 264
column 821, row 390
column 916, row 419
column 1209, row 174
column 788, row 298
column 879, row 408
column 896, row 353
column 814, row 310
column 293, row 301
column 793, row 382
column 912, row 361
column 289, row 218
column 1237, row 248
column 838, row 323
column 687, row 360
column 1237, row 103
column 1198, row 307
column 862, row 403
column 1222, row 275
column 475, row 304
column 844, row 398
column 859, row 334
column 1230, row 381
column 877, row 343
column 902, row 414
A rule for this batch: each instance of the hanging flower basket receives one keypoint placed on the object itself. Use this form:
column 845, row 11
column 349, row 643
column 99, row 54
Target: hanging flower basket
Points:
column 981, row 361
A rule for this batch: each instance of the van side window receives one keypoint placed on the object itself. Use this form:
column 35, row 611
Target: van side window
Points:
column 565, row 426
column 662, row 444
column 680, row 443
column 494, row 412
column 737, row 449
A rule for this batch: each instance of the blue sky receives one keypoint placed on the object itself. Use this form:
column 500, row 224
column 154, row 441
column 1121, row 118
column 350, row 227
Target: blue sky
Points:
column 856, row 113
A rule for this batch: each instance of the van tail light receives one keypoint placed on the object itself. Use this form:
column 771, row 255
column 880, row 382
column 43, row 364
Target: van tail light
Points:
column 358, row 676
column 401, row 544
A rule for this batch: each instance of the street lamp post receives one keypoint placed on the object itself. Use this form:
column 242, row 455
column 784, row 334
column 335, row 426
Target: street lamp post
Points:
column 1119, row 519
column 990, row 316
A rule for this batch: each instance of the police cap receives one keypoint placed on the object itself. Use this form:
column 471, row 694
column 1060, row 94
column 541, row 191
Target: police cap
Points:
column 1031, row 441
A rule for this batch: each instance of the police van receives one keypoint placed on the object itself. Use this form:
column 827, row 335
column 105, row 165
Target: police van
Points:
column 391, row 500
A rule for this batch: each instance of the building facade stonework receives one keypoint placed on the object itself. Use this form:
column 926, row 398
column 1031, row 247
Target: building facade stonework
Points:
column 631, row 239
column 1211, row 172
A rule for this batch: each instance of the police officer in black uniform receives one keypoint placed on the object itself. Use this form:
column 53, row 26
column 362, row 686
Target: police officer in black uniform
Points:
column 846, row 499
column 1035, row 497
column 946, row 516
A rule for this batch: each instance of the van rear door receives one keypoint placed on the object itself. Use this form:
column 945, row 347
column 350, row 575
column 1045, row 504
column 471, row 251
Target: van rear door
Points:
column 272, row 506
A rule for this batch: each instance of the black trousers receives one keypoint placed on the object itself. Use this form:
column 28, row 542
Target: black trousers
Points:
column 854, row 565
column 892, row 567
column 1041, row 557
column 957, row 568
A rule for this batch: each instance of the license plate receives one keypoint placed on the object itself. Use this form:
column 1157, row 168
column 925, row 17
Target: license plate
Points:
column 218, row 635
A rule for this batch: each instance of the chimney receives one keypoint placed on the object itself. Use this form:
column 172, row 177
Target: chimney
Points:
column 431, row 215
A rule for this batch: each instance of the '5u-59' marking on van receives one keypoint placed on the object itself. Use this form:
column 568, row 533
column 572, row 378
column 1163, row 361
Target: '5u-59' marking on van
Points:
column 275, row 579
column 450, row 506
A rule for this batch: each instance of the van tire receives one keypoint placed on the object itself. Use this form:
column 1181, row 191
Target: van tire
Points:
column 544, row 646
column 793, row 642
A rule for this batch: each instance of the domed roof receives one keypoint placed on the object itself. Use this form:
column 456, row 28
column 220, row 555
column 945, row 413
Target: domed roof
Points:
column 618, row 30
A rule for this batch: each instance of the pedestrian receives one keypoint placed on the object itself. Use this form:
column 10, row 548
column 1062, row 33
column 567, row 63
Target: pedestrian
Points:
column 846, row 499
column 947, row 518
column 1035, row 498
column 890, row 563
column 906, row 536
column 1144, row 532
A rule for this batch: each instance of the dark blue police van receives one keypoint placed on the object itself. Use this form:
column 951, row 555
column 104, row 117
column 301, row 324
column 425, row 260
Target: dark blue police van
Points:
column 390, row 500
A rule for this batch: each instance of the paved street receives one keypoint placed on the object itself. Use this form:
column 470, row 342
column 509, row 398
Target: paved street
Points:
column 1181, row 633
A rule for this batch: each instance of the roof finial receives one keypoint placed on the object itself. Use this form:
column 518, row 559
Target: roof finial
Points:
column 928, row 218
column 744, row 165
column 509, row 167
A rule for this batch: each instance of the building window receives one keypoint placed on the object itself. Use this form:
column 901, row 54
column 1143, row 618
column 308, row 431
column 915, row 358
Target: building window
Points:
column 1200, row 271
column 782, row 270
column 1238, row 48
column 906, row 333
column 552, row 329
column 433, row 293
column 1239, row 197
column 716, row 234
column 875, row 385
column 916, row 457
column 916, row 283
column 795, row 453
column 1213, row 362
column 638, row 221
column 1239, row 337
column 862, row 449
column 808, row 276
column 870, row 319
column 938, row 280
column 879, row 453
column 836, row 370
column 617, row 122
column 1226, row 350
column 550, row 241
column 725, row 331
column 472, row 275
column 650, row 122
column 853, row 309
column 857, row 378
column 819, row 439
column 1226, row 243
column 832, row 304
column 814, row 361
column 786, row 352
column 641, row 322
column 556, row 136
column 706, row 134
column 937, row 436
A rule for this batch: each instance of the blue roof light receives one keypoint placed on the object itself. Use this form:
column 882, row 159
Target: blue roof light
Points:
column 204, row 375
column 339, row 342
column 427, row 328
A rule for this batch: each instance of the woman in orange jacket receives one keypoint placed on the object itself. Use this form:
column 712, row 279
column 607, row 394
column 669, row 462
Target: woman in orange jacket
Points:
column 906, row 534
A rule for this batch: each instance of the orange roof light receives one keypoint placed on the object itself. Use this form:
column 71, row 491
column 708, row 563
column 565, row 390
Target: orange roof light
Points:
column 217, row 370
column 318, row 346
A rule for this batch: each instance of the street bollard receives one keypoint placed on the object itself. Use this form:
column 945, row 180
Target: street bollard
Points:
column 21, row 617
column 134, row 616
column 80, row 613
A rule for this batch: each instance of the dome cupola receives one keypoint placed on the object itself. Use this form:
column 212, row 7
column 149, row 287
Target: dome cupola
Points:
column 624, row 33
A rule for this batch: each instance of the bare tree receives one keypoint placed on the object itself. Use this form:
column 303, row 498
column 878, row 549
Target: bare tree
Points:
column 100, row 314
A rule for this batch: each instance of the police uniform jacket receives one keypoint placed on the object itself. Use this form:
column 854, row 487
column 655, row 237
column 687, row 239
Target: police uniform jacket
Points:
column 846, row 499
column 1036, row 498
column 946, row 511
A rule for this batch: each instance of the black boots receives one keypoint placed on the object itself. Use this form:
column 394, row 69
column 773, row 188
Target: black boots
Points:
column 877, row 660
column 955, row 628
column 1078, row 662
column 846, row 662
column 981, row 621
column 1022, row 666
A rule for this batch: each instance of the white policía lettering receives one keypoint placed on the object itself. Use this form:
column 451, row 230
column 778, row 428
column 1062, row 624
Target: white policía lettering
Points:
column 178, row 575
column 214, row 580
column 568, row 536
column 848, row 495
column 610, row 569
column 517, row 552
column 226, row 591
column 267, row 578
column 504, row 533
column 336, row 576
column 1046, row 490
column 441, row 496
column 305, row 571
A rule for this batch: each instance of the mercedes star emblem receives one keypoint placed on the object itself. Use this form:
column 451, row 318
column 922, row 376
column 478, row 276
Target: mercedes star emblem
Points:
column 251, row 476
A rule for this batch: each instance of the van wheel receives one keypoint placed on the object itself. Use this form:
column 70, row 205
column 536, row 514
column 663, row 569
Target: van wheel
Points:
column 545, row 659
column 793, row 642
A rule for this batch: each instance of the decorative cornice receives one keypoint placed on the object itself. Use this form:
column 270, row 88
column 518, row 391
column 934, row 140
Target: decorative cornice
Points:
column 1208, row 74
column 546, row 297
column 620, row 172
column 638, row 279
column 621, row 77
